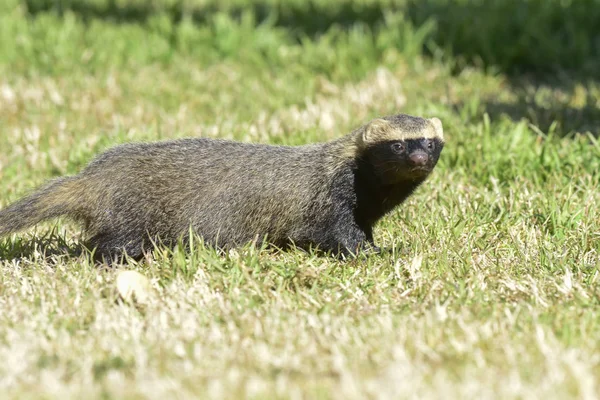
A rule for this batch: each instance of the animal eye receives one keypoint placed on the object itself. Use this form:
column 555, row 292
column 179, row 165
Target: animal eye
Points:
column 429, row 144
column 398, row 147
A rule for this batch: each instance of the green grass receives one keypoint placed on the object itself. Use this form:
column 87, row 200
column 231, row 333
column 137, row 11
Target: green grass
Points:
column 489, row 285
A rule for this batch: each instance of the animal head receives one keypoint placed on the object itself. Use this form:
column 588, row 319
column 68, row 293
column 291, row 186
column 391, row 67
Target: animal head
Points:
column 402, row 147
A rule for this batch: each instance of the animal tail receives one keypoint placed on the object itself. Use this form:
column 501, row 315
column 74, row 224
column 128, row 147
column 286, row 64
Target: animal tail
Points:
column 63, row 196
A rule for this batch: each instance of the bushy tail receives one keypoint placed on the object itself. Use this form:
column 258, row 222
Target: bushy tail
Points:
column 62, row 196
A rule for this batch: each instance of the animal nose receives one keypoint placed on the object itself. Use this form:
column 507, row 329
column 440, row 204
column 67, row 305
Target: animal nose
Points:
column 419, row 159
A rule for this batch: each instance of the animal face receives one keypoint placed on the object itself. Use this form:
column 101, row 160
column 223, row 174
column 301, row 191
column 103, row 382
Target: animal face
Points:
column 402, row 160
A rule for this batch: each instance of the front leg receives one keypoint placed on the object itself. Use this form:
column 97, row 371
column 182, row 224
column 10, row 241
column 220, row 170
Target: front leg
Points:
column 371, row 247
column 344, row 234
column 345, row 238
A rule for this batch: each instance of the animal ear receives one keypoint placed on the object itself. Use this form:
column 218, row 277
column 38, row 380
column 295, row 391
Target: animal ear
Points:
column 437, row 125
column 376, row 130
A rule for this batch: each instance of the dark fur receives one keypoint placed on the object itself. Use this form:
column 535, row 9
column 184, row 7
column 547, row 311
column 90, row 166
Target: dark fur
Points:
column 231, row 193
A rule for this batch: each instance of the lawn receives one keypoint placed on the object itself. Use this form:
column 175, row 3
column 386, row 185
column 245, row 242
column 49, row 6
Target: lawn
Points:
column 489, row 283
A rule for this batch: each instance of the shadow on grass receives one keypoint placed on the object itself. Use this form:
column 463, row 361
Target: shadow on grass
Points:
column 532, row 41
column 309, row 18
column 512, row 35
column 549, row 51
column 516, row 36
column 45, row 247
column 564, row 108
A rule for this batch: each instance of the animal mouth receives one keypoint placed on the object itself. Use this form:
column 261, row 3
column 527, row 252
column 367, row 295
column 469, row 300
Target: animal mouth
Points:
column 420, row 170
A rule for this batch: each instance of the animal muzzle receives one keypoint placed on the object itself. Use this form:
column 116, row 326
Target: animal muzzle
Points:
column 419, row 159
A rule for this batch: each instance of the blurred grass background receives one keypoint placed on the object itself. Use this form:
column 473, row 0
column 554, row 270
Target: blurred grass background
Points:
column 507, row 35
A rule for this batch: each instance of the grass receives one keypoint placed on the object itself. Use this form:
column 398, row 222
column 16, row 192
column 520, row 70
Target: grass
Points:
column 489, row 286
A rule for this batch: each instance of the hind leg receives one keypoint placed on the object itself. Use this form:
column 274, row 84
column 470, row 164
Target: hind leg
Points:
column 112, row 247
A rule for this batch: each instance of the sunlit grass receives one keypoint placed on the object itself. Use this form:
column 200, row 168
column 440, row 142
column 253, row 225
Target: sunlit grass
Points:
column 488, row 282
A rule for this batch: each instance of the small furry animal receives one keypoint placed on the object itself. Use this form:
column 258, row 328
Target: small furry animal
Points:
column 327, row 195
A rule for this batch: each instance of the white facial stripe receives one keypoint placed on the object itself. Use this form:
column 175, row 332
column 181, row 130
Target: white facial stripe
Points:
column 383, row 130
column 425, row 134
